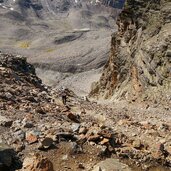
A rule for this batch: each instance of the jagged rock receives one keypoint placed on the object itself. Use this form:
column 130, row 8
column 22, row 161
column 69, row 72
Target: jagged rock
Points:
column 94, row 138
column 75, row 148
column 46, row 143
column 65, row 157
column 19, row 135
column 73, row 117
column 75, row 127
column 6, row 154
column 8, row 158
column 137, row 144
column 168, row 53
column 81, row 166
column 65, row 136
column 19, row 147
column 40, row 110
column 83, row 130
column 104, row 141
column 5, row 122
column 106, row 134
column 37, row 163
column 26, row 123
column 32, row 137
column 111, row 165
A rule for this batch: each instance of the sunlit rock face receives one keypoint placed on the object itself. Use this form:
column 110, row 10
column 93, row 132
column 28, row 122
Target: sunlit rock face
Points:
column 139, row 64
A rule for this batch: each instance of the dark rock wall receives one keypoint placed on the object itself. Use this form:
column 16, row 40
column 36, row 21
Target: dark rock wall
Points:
column 139, row 66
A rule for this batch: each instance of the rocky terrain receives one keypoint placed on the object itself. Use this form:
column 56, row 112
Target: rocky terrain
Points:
column 39, row 133
column 139, row 66
column 128, row 132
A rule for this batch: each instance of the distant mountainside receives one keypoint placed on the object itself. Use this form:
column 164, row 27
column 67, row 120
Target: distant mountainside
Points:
column 85, row 25
column 56, row 8
column 66, row 36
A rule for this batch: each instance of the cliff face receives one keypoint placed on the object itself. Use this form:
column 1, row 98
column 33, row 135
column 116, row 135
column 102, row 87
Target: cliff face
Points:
column 139, row 66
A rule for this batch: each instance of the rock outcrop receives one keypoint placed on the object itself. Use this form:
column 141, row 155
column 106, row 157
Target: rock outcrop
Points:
column 37, row 163
column 8, row 158
column 139, row 66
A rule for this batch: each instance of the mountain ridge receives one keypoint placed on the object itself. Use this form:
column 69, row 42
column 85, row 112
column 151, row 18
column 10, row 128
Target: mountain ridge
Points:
column 138, row 68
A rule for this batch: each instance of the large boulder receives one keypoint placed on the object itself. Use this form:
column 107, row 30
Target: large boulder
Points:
column 37, row 162
column 8, row 159
column 111, row 165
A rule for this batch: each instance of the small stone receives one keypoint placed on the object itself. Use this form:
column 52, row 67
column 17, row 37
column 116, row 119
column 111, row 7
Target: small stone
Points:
column 65, row 157
column 19, row 147
column 123, row 122
column 72, row 117
column 31, row 137
column 55, row 138
column 102, row 126
column 19, row 135
column 47, row 142
column 168, row 53
column 81, row 166
column 40, row 110
column 144, row 122
column 82, row 139
column 133, row 134
column 106, row 134
column 28, row 125
column 65, row 136
column 5, row 122
column 76, row 148
column 137, row 144
column 104, row 141
column 94, row 138
column 83, row 130
column 92, row 143
column 75, row 127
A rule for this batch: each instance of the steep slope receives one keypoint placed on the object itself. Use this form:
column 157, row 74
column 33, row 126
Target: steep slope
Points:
column 34, row 122
column 139, row 66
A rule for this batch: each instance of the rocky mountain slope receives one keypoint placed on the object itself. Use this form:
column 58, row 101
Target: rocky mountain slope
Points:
column 139, row 66
column 39, row 133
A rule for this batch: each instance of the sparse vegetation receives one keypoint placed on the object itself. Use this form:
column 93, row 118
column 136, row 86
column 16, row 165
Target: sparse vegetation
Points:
column 24, row 44
column 50, row 50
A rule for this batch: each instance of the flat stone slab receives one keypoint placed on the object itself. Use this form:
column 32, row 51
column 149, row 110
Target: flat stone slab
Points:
column 111, row 165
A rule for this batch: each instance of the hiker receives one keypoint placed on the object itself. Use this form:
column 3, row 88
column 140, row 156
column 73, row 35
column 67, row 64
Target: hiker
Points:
column 64, row 96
